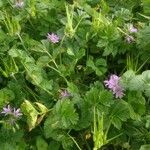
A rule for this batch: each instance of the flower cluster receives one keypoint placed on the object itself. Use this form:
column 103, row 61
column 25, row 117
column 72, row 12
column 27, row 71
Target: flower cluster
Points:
column 131, row 29
column 113, row 85
column 53, row 38
column 11, row 111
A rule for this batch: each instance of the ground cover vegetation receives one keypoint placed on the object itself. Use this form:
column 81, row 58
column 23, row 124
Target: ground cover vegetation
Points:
column 74, row 75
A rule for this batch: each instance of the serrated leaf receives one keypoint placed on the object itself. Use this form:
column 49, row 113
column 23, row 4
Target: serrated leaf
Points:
column 106, row 98
column 137, row 102
column 50, row 125
column 66, row 113
column 92, row 96
column 119, row 113
column 143, row 37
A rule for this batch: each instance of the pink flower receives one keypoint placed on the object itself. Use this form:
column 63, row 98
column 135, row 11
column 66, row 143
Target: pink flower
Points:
column 17, row 113
column 113, row 85
column 53, row 38
column 11, row 111
column 132, row 29
column 7, row 110
column 64, row 94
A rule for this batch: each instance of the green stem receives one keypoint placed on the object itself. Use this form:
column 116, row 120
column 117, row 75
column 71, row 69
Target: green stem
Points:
column 22, row 42
column 108, row 127
column 32, row 93
column 58, row 72
column 122, row 31
column 51, row 58
column 78, row 23
column 146, row 17
column 75, row 142
column 60, row 59
column 114, row 137
column 142, row 65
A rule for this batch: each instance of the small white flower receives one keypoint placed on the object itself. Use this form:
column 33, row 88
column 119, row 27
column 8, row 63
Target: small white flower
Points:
column 19, row 4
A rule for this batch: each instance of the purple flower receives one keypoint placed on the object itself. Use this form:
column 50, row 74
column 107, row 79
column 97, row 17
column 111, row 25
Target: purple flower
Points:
column 11, row 111
column 53, row 38
column 7, row 110
column 112, row 82
column 118, row 91
column 17, row 113
column 64, row 93
column 132, row 29
column 129, row 39
column 113, row 85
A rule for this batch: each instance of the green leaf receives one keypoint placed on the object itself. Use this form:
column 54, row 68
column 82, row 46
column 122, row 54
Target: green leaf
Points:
column 41, row 143
column 137, row 102
column 117, row 123
column 31, row 113
column 43, row 61
column 6, row 96
column 126, row 78
column 51, row 129
column 13, row 52
column 105, row 7
column 63, row 116
column 119, row 113
column 96, row 97
column 143, row 37
column 145, row 147
column 137, row 83
column 106, row 98
column 92, row 97
column 147, row 90
column 51, row 124
column 54, row 145
column 146, row 6
column 146, row 76
column 99, row 66
column 123, row 14
column 66, row 113
column 70, row 51
column 101, row 62
column 72, row 88
column 79, row 53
